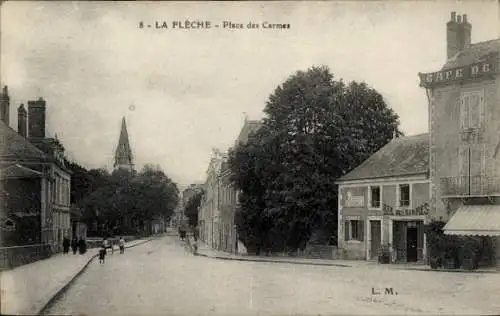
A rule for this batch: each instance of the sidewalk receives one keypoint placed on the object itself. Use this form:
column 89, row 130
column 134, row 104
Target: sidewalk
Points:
column 25, row 290
column 205, row 251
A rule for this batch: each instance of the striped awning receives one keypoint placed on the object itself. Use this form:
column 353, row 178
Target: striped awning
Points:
column 475, row 220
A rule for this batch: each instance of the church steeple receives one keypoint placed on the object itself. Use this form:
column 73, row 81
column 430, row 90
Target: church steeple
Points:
column 123, row 154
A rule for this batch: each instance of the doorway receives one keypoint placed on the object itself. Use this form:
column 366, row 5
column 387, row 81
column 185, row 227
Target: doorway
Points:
column 411, row 243
column 375, row 230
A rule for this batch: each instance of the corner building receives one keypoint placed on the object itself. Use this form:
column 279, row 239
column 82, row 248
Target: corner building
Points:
column 385, row 202
column 464, row 125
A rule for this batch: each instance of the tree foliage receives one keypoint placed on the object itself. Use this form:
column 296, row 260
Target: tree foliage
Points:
column 191, row 208
column 123, row 202
column 316, row 129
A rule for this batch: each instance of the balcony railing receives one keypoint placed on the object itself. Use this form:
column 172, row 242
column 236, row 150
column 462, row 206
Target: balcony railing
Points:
column 470, row 186
column 417, row 208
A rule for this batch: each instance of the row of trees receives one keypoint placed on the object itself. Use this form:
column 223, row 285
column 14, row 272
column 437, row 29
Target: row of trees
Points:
column 122, row 202
column 316, row 129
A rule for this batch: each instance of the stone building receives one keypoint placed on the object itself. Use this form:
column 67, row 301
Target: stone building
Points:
column 35, row 203
column 385, row 201
column 464, row 120
column 209, row 214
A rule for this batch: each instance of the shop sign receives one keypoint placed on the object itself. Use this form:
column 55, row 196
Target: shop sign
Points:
column 354, row 200
column 422, row 210
column 475, row 70
column 352, row 218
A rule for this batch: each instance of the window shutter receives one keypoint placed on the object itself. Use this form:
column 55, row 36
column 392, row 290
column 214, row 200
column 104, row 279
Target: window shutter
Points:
column 346, row 230
column 361, row 233
column 481, row 110
column 484, row 153
column 463, row 161
column 474, row 111
column 463, row 113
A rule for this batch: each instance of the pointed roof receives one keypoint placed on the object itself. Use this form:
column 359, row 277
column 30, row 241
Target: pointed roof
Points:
column 123, row 154
column 15, row 147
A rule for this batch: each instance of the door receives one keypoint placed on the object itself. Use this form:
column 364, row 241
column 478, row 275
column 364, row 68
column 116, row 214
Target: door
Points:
column 411, row 244
column 375, row 238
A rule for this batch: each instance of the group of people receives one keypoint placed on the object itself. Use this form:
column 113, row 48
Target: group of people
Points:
column 76, row 244
column 106, row 244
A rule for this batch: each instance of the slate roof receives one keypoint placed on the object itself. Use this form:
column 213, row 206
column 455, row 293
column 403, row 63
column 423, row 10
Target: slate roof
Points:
column 408, row 155
column 17, row 171
column 474, row 53
column 16, row 147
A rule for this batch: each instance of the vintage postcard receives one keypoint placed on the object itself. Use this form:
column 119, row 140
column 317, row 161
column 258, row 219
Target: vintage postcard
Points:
column 250, row 158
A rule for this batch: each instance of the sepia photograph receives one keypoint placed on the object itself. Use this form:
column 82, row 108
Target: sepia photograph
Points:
column 253, row 158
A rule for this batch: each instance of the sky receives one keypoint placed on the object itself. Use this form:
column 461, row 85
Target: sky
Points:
column 184, row 92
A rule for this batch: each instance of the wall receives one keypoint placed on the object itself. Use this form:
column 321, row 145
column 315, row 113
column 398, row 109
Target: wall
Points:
column 445, row 137
column 22, row 205
column 359, row 208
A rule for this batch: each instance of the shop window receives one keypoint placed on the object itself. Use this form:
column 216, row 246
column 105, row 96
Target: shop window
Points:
column 375, row 197
column 354, row 230
column 404, row 195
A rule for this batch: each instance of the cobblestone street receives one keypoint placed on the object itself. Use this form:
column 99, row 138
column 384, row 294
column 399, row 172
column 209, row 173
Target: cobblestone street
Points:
column 161, row 278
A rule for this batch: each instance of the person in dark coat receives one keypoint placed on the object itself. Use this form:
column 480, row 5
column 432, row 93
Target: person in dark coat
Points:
column 74, row 245
column 102, row 254
column 82, row 246
column 66, row 245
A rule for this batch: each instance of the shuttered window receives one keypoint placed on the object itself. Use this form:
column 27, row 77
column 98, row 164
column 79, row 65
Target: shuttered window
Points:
column 472, row 110
column 346, row 230
column 354, row 230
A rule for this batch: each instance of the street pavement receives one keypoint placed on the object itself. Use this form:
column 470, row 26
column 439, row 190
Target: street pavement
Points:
column 26, row 289
column 163, row 278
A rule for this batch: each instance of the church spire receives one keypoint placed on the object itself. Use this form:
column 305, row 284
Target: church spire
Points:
column 123, row 154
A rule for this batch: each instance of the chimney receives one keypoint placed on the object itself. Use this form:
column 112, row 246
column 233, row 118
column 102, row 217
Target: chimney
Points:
column 458, row 34
column 21, row 121
column 5, row 106
column 36, row 118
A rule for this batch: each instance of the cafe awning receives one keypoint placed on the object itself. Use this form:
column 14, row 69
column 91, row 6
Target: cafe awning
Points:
column 475, row 220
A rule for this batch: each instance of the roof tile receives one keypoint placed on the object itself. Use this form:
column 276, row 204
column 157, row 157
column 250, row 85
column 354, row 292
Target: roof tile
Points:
column 402, row 156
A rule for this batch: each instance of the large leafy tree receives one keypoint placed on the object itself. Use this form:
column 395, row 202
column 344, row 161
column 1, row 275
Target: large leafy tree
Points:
column 316, row 129
column 191, row 208
column 125, row 201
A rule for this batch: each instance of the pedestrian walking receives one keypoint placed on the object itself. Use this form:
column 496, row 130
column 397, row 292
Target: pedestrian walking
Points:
column 74, row 245
column 121, row 243
column 66, row 244
column 102, row 254
column 82, row 246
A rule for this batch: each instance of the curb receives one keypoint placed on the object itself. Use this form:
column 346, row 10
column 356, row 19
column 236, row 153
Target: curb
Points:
column 275, row 261
column 450, row 271
column 61, row 291
column 335, row 264
column 265, row 260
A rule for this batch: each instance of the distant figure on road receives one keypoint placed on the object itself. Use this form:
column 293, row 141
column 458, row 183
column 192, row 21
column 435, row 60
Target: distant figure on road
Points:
column 102, row 254
column 66, row 243
column 121, row 243
column 106, row 244
column 74, row 245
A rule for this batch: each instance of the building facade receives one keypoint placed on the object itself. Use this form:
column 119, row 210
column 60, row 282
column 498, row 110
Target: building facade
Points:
column 385, row 202
column 227, row 204
column 209, row 214
column 464, row 120
column 220, row 201
column 35, row 180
